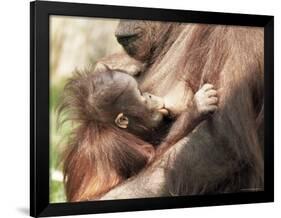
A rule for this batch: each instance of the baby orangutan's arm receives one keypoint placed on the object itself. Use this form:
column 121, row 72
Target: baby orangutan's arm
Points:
column 203, row 104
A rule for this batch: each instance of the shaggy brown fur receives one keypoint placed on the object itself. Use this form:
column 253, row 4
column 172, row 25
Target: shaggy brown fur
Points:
column 99, row 155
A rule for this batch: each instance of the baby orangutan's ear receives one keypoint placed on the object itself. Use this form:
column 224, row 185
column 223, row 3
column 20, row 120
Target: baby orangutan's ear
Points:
column 122, row 121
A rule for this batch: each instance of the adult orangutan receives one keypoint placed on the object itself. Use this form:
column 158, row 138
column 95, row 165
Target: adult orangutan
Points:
column 224, row 153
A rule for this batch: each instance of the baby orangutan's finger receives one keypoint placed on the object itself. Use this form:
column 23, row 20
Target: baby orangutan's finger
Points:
column 207, row 87
column 212, row 108
column 212, row 100
column 212, row 93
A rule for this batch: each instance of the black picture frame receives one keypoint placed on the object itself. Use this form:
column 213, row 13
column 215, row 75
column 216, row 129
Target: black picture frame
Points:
column 39, row 107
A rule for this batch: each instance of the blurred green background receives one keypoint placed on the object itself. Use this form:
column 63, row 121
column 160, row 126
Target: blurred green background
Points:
column 75, row 43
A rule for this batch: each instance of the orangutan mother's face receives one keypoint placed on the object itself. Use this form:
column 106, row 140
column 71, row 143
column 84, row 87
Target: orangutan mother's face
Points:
column 139, row 38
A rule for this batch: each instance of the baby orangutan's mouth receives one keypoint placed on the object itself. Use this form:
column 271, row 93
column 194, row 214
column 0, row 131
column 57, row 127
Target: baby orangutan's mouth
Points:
column 164, row 111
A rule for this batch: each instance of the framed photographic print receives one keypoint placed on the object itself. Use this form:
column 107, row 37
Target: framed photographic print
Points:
column 142, row 109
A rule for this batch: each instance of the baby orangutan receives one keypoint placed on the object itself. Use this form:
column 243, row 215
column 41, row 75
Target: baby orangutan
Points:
column 115, row 120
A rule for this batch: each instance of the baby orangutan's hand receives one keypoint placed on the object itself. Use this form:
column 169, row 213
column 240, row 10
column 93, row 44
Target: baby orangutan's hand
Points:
column 206, row 99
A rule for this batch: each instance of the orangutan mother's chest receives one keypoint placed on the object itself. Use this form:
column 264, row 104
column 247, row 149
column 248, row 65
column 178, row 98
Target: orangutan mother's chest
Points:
column 176, row 93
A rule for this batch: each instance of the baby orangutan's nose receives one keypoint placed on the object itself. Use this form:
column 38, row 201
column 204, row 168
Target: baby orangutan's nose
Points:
column 155, row 103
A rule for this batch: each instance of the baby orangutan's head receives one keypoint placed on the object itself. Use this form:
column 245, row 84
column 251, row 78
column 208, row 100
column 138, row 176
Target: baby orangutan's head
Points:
column 113, row 98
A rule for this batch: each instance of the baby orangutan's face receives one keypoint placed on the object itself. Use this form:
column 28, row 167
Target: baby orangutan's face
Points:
column 135, row 108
